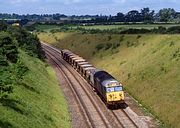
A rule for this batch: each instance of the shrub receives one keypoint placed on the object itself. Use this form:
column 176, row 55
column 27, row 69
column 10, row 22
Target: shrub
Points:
column 135, row 31
column 99, row 46
column 109, row 37
column 173, row 30
column 108, row 46
column 160, row 29
column 8, row 49
column 27, row 41
column 115, row 45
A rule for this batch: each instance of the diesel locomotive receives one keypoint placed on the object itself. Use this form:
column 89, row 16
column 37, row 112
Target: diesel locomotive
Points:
column 107, row 87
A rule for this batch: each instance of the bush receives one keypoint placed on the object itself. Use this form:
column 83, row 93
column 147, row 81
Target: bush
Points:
column 115, row 45
column 135, row 31
column 173, row 30
column 27, row 41
column 109, row 37
column 108, row 46
column 99, row 46
column 8, row 49
column 3, row 26
column 160, row 29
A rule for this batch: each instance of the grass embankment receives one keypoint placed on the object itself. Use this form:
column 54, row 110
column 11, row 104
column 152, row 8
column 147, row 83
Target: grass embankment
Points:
column 37, row 102
column 147, row 65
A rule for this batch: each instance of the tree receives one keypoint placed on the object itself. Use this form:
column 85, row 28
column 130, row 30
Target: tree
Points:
column 147, row 15
column 8, row 53
column 3, row 26
column 133, row 16
column 8, row 49
column 120, row 17
column 166, row 14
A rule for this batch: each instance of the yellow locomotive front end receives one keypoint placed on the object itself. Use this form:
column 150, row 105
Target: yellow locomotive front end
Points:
column 114, row 95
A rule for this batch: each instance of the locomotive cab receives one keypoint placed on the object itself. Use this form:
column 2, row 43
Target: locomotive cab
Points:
column 114, row 94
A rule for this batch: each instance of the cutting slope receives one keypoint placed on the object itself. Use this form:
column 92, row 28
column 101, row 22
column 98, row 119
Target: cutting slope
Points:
column 148, row 65
column 37, row 101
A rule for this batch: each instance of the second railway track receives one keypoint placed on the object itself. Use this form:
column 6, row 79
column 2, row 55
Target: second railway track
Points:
column 93, row 109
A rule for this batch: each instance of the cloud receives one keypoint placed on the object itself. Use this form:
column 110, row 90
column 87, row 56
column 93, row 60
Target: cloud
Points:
column 65, row 2
column 20, row 1
column 71, row 1
column 119, row 1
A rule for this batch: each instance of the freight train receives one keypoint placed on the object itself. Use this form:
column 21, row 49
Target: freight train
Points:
column 109, row 89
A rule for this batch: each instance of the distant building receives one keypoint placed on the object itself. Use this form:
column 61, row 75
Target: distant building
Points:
column 15, row 24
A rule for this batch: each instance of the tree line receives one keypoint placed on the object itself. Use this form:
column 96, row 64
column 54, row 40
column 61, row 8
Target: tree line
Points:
column 144, row 15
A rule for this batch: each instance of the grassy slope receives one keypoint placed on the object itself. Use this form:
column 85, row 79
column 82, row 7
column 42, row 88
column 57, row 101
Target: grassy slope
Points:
column 38, row 103
column 149, row 68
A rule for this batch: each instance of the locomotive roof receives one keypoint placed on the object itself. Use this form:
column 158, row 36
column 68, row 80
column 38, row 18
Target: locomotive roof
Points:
column 110, row 82
column 103, row 75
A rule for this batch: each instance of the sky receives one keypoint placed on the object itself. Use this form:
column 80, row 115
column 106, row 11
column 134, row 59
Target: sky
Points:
column 83, row 7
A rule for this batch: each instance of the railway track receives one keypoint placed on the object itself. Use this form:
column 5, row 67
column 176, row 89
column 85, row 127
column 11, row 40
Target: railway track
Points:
column 83, row 116
column 92, row 108
column 93, row 114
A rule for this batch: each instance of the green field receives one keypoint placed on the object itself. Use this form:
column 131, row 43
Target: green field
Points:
column 135, row 26
column 147, row 65
column 37, row 102
column 47, row 28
